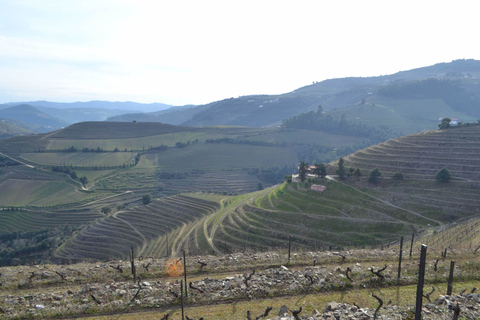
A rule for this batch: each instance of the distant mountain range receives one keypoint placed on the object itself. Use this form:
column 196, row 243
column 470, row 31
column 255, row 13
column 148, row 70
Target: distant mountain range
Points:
column 405, row 101
column 369, row 100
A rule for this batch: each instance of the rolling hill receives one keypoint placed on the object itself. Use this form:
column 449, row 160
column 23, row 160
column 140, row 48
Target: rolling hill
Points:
column 367, row 100
column 9, row 129
column 215, row 206
column 38, row 121
column 224, row 178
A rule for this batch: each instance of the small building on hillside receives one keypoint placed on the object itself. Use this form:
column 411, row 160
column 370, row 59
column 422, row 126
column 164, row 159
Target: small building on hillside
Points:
column 310, row 170
column 318, row 188
column 453, row 121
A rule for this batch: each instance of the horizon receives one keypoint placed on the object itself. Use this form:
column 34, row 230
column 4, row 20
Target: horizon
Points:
column 159, row 102
column 190, row 53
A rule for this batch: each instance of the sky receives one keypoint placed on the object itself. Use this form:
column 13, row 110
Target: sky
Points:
column 194, row 52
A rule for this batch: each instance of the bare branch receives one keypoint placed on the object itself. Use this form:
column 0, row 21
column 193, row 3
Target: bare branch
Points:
column 117, row 268
column 380, row 301
column 456, row 311
column 248, row 277
column 435, row 265
column 346, row 274
column 173, row 293
column 202, row 264
column 265, row 314
column 95, row 299
column 476, row 250
column 378, row 273
column 61, row 276
column 296, row 313
column 308, row 276
column 341, row 255
column 428, row 294
column 195, row 288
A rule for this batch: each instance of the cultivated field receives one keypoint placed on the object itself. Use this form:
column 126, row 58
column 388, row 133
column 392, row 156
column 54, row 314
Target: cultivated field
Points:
column 421, row 155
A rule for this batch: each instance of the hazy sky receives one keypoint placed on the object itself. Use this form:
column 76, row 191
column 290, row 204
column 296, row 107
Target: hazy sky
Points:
column 181, row 52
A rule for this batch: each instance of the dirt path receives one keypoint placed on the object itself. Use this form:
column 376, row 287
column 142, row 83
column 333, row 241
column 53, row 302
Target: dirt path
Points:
column 144, row 240
column 224, row 212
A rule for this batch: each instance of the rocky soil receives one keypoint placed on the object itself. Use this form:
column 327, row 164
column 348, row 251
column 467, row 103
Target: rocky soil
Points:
column 49, row 290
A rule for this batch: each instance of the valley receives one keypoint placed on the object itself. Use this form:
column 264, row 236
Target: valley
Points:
column 218, row 186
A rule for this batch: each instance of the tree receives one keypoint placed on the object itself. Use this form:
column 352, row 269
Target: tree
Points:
column 357, row 172
column 146, row 199
column 302, row 171
column 374, row 175
column 445, row 124
column 260, row 186
column 84, row 181
column 106, row 210
column 320, row 170
column 443, row 175
column 398, row 176
column 341, row 169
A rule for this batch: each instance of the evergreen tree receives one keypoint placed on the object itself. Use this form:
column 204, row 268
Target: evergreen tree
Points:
column 341, row 169
column 445, row 124
column 320, row 170
column 302, row 171
column 374, row 175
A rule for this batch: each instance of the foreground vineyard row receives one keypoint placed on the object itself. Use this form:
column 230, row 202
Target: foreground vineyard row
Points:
column 305, row 281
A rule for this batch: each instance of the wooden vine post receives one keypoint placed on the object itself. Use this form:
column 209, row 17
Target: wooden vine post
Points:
column 450, row 279
column 185, row 273
column 181, row 298
column 132, row 262
column 411, row 244
column 400, row 258
column 421, row 279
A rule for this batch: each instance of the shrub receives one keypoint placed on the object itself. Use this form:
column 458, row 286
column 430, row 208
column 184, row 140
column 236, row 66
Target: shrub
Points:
column 146, row 199
column 374, row 175
column 443, row 175
column 398, row 176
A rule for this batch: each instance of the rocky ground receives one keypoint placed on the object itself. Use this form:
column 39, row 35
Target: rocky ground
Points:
column 108, row 287
column 445, row 307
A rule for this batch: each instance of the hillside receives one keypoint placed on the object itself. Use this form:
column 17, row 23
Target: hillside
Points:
column 350, row 213
column 360, row 99
column 367, row 100
column 364, row 283
column 421, row 155
column 9, row 129
column 38, row 120
column 220, row 172
column 108, row 105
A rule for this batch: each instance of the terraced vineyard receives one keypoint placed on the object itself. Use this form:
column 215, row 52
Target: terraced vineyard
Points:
column 22, row 186
column 26, row 220
column 144, row 227
column 421, row 155
column 211, row 204
column 344, row 216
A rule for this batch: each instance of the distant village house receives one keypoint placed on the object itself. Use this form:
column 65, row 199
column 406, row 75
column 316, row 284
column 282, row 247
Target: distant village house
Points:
column 318, row 188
